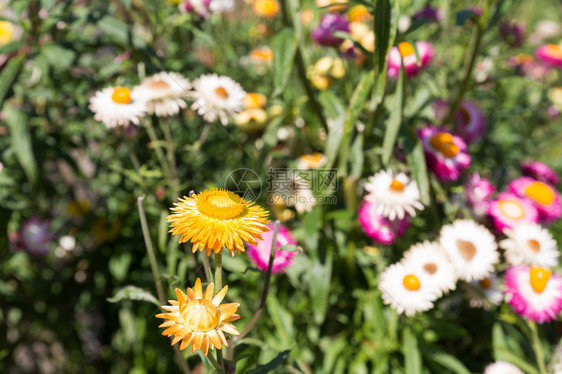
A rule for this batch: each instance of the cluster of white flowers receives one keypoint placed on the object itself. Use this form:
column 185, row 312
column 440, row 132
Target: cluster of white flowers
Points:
column 165, row 94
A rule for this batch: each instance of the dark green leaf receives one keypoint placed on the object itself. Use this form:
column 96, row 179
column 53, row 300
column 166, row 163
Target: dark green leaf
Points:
column 271, row 365
column 9, row 75
column 21, row 142
column 464, row 16
column 133, row 293
column 416, row 159
column 386, row 20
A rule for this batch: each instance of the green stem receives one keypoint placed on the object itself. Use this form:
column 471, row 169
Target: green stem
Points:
column 214, row 363
column 171, row 158
column 157, row 148
column 265, row 292
column 218, row 271
column 301, row 69
column 220, row 359
column 206, row 266
column 156, row 274
column 474, row 48
column 135, row 162
column 537, row 347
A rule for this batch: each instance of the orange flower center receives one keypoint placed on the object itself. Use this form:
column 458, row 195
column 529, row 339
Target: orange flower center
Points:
column 443, row 142
column 524, row 58
column 396, row 186
column 554, row 50
column 262, row 54
column 540, row 192
column 121, row 95
column 467, row 250
column 312, row 160
column 534, row 245
column 513, row 209
column 485, row 283
column 221, row 92
column 254, row 100
column 158, row 84
column 539, row 278
column 430, row 268
column 200, row 315
column 220, row 204
column 266, row 8
column 405, row 49
column 411, row 282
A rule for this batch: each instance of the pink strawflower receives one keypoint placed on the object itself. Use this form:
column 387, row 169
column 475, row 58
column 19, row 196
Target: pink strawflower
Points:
column 550, row 55
column 429, row 13
column 34, row 237
column 469, row 122
column 406, row 51
column 540, row 172
column 478, row 192
column 543, row 196
column 259, row 254
column 445, row 153
column 509, row 210
column 527, row 66
column 330, row 23
column 535, row 293
column 379, row 228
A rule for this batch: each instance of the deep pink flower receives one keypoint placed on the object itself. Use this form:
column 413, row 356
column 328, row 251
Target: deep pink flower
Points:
column 406, row 51
column 259, row 254
column 534, row 293
column 513, row 33
column 478, row 192
column 379, row 228
column 469, row 122
column 550, row 55
column 540, row 172
column 429, row 13
column 509, row 210
column 445, row 153
column 330, row 23
column 543, row 196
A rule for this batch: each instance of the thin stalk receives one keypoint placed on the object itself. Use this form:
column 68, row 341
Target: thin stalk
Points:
column 171, row 158
column 265, row 292
column 220, row 359
column 156, row 143
column 474, row 48
column 156, row 274
column 214, row 362
column 301, row 69
column 135, row 161
column 218, row 271
column 206, row 266
column 537, row 348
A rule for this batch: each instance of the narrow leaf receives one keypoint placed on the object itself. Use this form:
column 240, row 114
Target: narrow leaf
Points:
column 284, row 47
column 21, row 143
column 133, row 293
column 411, row 352
column 416, row 159
column 393, row 123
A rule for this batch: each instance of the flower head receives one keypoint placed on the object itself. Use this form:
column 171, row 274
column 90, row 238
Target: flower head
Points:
column 433, row 266
column 164, row 93
column 543, row 196
column 117, row 106
column 311, row 161
column 513, row 33
column 550, row 55
column 378, row 227
column 534, row 292
column 330, row 23
column 34, row 237
column 6, row 32
column 471, row 248
column 530, row 244
column 445, row 153
column 405, row 291
column 502, row 367
column 217, row 97
column 259, row 254
column 429, row 13
column 469, row 122
column 217, row 218
column 508, row 210
column 484, row 292
column 478, row 192
column 540, row 172
column 266, row 8
column 405, row 51
column 198, row 318
column 395, row 195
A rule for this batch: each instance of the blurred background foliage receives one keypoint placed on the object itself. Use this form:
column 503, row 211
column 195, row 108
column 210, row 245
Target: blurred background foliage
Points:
column 325, row 315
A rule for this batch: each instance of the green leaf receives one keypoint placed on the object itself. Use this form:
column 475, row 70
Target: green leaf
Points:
column 133, row 293
column 284, row 47
column 386, row 20
column 502, row 352
column 448, row 361
column 290, row 248
column 357, row 157
column 120, row 33
column 416, row 159
column 393, row 123
column 271, row 365
column 58, row 57
column 119, row 265
column 282, row 321
column 411, row 353
column 21, row 143
column 319, row 277
column 9, row 75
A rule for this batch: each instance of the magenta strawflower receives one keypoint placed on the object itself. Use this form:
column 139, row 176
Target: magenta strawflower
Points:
column 469, row 122
column 445, row 153
column 513, row 33
column 534, row 292
column 543, row 196
column 379, row 228
column 550, row 55
column 509, row 210
column 429, row 13
column 540, row 172
column 406, row 51
column 259, row 254
column 330, row 23
column 478, row 192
